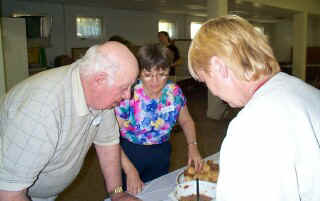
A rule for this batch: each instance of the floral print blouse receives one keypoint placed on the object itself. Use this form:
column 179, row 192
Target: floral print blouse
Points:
column 149, row 121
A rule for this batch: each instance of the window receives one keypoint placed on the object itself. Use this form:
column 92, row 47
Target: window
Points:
column 89, row 27
column 194, row 27
column 168, row 27
column 259, row 29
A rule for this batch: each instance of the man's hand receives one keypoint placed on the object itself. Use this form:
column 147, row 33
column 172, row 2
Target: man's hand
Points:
column 13, row 195
column 124, row 196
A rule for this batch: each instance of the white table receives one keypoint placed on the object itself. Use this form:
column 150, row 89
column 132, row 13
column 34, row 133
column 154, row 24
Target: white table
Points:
column 159, row 189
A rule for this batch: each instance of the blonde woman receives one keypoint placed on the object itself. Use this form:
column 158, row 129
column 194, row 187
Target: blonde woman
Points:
column 272, row 148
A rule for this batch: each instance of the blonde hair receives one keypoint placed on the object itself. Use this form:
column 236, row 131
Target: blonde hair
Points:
column 244, row 49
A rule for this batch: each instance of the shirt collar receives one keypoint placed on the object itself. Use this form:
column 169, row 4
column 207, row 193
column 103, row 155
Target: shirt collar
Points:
column 79, row 99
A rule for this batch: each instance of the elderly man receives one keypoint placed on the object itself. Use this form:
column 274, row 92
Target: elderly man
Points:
column 49, row 121
column 272, row 148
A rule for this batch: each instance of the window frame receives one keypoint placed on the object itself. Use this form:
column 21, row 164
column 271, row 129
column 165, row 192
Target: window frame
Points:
column 174, row 27
column 91, row 37
column 259, row 28
column 190, row 24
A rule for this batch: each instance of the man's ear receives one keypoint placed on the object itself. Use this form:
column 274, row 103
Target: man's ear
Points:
column 217, row 65
column 101, row 78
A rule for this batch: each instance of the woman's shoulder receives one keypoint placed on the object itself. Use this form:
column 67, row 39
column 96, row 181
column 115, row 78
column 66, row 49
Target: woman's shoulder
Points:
column 174, row 89
column 173, row 86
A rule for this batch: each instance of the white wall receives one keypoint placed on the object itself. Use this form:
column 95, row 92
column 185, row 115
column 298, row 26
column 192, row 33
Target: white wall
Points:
column 137, row 27
column 282, row 38
column 2, row 72
column 314, row 31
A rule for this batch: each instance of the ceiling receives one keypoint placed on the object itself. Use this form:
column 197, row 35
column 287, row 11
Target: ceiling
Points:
column 252, row 11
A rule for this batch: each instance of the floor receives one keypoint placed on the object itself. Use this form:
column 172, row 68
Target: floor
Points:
column 89, row 185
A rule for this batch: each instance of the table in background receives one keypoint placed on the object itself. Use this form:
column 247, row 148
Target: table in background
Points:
column 159, row 189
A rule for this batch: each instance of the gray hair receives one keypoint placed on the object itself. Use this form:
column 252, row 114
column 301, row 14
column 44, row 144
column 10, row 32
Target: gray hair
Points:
column 94, row 61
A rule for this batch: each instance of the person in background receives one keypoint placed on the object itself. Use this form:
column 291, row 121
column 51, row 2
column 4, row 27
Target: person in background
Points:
column 49, row 121
column 272, row 148
column 165, row 40
column 62, row 60
column 147, row 119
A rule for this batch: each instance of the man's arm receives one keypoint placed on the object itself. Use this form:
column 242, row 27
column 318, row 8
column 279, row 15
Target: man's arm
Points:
column 109, row 159
column 13, row 195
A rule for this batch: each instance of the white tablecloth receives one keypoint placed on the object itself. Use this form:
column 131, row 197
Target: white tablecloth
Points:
column 159, row 189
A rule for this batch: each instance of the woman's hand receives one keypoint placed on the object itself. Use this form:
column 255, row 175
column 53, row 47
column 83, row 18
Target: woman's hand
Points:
column 134, row 183
column 194, row 157
column 189, row 130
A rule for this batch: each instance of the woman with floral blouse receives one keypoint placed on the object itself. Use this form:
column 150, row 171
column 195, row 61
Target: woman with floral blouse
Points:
column 146, row 121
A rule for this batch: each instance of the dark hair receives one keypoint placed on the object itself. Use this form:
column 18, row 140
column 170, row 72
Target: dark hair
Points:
column 166, row 34
column 62, row 60
column 154, row 55
column 119, row 39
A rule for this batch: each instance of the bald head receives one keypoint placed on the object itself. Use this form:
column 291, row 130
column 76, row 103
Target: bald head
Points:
column 107, row 72
column 109, row 57
column 118, row 54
